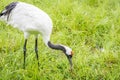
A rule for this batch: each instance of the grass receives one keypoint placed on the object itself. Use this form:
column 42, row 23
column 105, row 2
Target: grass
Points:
column 90, row 27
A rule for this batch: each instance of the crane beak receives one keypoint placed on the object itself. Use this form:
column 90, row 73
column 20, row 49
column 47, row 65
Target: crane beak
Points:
column 70, row 61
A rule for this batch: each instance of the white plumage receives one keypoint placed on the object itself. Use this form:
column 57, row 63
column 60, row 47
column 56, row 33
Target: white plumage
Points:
column 32, row 20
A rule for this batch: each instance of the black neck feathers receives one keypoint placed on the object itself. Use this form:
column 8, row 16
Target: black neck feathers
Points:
column 57, row 47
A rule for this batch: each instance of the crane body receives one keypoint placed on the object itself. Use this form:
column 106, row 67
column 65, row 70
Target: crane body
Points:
column 32, row 20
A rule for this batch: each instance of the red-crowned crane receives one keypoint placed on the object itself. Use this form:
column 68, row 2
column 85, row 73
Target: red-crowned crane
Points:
column 32, row 20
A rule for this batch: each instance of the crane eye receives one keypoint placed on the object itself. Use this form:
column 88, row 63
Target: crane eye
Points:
column 72, row 52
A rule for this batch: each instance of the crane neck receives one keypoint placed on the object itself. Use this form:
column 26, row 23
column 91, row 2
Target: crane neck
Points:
column 56, row 47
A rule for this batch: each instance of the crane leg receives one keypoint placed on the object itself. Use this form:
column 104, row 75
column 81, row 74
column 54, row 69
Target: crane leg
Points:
column 24, row 49
column 36, row 50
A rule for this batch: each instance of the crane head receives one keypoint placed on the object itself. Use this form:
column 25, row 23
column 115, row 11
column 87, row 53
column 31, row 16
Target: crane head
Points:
column 69, row 53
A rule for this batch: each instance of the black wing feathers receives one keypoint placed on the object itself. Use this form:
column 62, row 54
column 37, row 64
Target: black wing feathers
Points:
column 8, row 9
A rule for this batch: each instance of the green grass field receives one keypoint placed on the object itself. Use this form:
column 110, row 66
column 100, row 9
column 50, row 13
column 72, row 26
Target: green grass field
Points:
column 90, row 27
